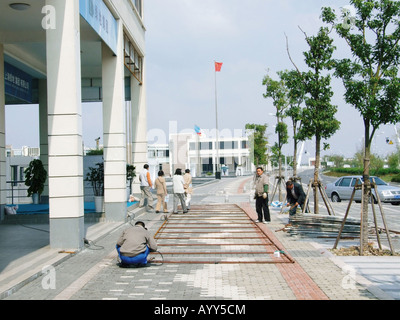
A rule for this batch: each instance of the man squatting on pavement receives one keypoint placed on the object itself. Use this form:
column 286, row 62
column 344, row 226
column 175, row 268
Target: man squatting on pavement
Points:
column 134, row 245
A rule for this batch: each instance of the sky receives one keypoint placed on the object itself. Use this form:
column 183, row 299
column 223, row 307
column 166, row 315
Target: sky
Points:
column 185, row 37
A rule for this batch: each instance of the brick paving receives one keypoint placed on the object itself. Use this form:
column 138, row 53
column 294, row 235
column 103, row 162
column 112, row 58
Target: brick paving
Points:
column 93, row 274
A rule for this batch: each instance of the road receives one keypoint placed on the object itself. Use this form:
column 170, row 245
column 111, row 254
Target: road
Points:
column 391, row 213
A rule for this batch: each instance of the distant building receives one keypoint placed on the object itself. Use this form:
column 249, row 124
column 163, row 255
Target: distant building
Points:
column 199, row 154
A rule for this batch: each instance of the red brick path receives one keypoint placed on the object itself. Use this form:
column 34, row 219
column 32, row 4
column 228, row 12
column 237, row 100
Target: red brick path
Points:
column 298, row 280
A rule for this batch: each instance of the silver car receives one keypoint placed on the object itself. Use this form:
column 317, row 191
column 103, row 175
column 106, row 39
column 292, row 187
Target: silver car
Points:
column 343, row 187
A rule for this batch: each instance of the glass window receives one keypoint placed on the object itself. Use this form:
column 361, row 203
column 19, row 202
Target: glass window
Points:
column 206, row 146
column 353, row 183
column 138, row 5
column 345, row 182
column 378, row 181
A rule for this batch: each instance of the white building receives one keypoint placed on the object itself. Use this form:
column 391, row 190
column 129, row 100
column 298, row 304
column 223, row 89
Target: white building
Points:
column 56, row 54
column 199, row 154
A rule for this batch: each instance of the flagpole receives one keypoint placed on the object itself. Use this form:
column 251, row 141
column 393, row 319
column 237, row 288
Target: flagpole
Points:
column 216, row 127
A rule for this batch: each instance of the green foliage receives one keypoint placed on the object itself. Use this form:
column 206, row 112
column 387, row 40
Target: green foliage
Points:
column 396, row 178
column 277, row 91
column 95, row 152
column 259, row 142
column 371, row 76
column 359, row 171
column 318, row 118
column 130, row 175
column 96, row 178
column 35, row 177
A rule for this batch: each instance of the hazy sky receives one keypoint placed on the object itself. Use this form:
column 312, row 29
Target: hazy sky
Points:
column 185, row 37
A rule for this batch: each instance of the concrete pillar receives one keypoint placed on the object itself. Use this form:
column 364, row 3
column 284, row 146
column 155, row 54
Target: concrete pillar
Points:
column 43, row 135
column 65, row 127
column 114, row 131
column 139, row 127
column 3, row 184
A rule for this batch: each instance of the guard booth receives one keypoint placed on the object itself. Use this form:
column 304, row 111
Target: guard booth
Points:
column 59, row 54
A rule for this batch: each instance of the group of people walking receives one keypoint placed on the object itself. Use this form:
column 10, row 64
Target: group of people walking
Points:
column 182, row 190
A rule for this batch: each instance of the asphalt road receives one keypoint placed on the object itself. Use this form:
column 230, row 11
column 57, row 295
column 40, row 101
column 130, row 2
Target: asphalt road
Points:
column 391, row 213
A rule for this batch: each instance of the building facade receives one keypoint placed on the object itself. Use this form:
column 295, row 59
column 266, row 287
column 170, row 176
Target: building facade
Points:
column 199, row 154
column 58, row 54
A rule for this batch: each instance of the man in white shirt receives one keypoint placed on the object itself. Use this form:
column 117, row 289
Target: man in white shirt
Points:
column 145, row 188
column 179, row 191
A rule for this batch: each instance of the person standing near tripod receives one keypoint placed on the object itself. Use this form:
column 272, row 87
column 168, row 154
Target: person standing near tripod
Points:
column 261, row 196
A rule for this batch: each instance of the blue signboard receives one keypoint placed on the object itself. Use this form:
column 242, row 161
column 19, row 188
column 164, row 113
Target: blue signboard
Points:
column 18, row 84
column 100, row 18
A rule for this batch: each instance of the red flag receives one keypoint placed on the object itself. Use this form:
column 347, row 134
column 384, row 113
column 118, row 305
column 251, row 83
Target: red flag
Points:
column 218, row 66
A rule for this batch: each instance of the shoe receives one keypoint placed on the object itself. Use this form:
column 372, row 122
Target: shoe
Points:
column 175, row 212
column 266, row 222
column 157, row 211
column 185, row 212
column 257, row 220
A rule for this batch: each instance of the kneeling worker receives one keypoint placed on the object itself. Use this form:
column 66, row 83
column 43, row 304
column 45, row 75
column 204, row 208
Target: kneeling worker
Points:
column 135, row 244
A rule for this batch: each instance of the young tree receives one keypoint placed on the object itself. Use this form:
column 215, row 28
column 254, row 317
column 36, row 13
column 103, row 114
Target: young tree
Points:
column 371, row 77
column 276, row 90
column 259, row 142
column 294, row 84
column 318, row 116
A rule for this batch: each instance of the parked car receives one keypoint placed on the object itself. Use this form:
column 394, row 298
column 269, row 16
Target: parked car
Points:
column 343, row 187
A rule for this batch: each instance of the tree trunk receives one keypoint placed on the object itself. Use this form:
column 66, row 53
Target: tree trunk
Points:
column 316, row 172
column 280, row 175
column 366, row 194
column 295, row 159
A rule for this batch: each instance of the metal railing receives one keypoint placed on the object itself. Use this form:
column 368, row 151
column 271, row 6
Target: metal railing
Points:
column 16, row 190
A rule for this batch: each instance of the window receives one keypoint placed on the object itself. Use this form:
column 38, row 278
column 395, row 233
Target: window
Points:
column 133, row 60
column 206, row 146
column 192, row 146
column 354, row 182
column 138, row 5
column 228, row 145
column 345, row 182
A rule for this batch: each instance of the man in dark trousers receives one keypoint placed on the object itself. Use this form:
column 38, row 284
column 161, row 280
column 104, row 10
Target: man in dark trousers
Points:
column 261, row 196
column 295, row 196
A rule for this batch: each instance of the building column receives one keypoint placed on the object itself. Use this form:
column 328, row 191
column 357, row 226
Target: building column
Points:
column 139, row 127
column 65, row 127
column 114, row 131
column 43, row 135
column 3, row 179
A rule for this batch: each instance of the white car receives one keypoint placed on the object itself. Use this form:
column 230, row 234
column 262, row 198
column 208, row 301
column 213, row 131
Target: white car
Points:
column 343, row 187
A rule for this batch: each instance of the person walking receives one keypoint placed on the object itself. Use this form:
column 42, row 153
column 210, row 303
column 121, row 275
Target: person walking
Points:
column 295, row 196
column 187, row 178
column 179, row 191
column 145, row 188
column 261, row 196
column 161, row 187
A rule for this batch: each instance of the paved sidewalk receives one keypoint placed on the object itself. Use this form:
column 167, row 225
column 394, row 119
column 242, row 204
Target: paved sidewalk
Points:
column 93, row 273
